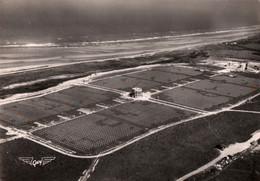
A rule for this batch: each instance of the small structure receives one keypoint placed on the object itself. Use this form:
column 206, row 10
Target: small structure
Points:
column 136, row 92
column 242, row 66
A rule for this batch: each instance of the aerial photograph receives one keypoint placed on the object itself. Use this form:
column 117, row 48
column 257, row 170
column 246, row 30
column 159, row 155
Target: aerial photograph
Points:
column 129, row 90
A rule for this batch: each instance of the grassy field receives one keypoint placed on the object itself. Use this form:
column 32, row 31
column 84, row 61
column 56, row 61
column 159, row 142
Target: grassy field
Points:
column 239, row 50
column 63, row 168
column 32, row 88
column 176, row 151
column 246, row 167
column 3, row 134
column 159, row 76
column 242, row 169
column 253, row 105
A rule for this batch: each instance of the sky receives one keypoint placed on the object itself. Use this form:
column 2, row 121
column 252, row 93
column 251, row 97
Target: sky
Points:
column 53, row 18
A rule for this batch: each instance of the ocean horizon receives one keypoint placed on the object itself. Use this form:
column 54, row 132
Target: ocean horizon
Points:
column 99, row 40
column 22, row 56
column 67, row 23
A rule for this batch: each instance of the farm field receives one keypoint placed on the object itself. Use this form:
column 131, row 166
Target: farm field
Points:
column 150, row 79
column 19, row 113
column 126, row 83
column 176, row 151
column 220, row 88
column 193, row 98
column 24, row 112
column 209, row 94
column 88, row 133
column 146, row 114
column 111, row 126
column 80, row 96
column 180, row 70
column 158, row 76
column 239, row 80
column 206, row 94
column 63, row 168
column 88, row 119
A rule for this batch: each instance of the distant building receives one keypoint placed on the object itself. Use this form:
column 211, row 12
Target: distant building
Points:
column 242, row 67
column 136, row 92
column 238, row 66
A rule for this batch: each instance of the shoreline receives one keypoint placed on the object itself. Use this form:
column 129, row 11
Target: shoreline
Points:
column 43, row 79
column 187, row 44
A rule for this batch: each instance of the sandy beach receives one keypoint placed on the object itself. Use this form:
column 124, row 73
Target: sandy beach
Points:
column 26, row 58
